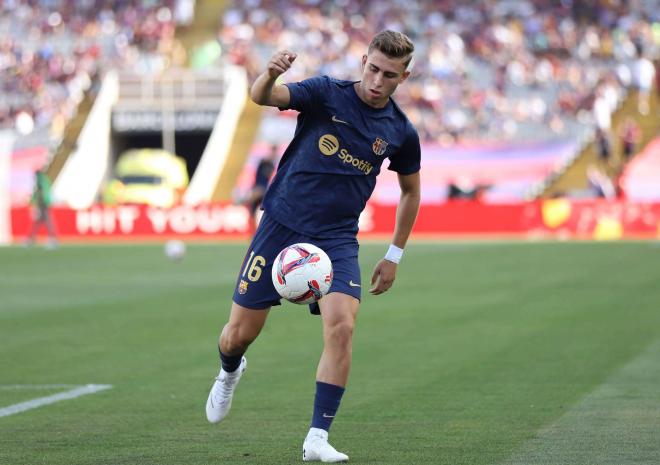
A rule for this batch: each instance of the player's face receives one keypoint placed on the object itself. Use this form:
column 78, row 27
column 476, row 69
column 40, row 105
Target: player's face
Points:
column 380, row 77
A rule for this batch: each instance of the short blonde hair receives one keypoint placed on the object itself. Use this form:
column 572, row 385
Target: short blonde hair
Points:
column 393, row 44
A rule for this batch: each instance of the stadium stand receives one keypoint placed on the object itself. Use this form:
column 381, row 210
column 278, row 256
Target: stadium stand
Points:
column 52, row 54
column 515, row 72
column 487, row 75
column 572, row 180
column 52, row 50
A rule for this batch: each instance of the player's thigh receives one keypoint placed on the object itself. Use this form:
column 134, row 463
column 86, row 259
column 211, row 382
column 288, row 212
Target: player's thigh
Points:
column 246, row 323
column 254, row 286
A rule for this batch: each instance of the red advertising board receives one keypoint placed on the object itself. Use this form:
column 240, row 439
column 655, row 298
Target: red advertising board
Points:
column 562, row 219
column 140, row 222
column 594, row 219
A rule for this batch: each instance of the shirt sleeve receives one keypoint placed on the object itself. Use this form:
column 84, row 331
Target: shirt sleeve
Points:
column 309, row 94
column 408, row 159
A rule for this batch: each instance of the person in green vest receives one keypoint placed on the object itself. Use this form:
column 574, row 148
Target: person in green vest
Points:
column 41, row 201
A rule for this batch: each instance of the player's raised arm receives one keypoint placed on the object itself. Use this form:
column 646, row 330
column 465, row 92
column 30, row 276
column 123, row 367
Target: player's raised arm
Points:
column 264, row 90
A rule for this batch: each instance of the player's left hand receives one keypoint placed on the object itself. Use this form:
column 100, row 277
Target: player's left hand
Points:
column 383, row 277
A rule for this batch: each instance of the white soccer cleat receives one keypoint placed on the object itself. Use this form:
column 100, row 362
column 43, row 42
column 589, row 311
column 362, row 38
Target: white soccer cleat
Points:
column 219, row 401
column 317, row 449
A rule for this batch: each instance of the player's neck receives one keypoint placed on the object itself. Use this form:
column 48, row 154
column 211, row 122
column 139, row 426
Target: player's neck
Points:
column 362, row 96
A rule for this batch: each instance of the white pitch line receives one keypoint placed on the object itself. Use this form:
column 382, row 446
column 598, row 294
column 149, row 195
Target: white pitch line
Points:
column 41, row 401
column 26, row 387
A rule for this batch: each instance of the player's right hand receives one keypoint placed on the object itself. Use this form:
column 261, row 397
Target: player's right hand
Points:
column 280, row 63
column 383, row 276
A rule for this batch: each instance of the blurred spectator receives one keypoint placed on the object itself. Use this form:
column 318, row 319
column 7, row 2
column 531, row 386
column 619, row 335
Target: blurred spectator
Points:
column 184, row 12
column 630, row 134
column 602, row 111
column 484, row 70
column 603, row 146
column 599, row 183
column 463, row 189
column 643, row 76
column 262, row 177
column 51, row 52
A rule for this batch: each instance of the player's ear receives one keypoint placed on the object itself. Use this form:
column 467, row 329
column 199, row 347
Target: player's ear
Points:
column 364, row 61
column 404, row 76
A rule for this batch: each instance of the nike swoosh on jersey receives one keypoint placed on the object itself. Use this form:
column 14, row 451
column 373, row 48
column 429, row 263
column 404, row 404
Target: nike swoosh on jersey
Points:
column 352, row 284
column 334, row 118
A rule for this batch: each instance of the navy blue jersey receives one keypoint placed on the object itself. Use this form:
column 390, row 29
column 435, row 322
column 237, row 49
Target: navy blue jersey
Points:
column 328, row 171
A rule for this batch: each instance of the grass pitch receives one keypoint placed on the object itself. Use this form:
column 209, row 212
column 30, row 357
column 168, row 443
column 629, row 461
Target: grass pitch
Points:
column 482, row 353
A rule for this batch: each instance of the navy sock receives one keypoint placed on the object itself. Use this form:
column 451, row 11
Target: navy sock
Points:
column 230, row 362
column 326, row 403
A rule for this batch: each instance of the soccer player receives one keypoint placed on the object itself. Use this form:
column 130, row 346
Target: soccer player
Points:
column 345, row 130
column 41, row 200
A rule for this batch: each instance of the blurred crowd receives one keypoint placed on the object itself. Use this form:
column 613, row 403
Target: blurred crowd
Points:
column 52, row 51
column 483, row 70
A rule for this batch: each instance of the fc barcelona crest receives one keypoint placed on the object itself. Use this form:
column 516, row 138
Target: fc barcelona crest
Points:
column 242, row 287
column 379, row 146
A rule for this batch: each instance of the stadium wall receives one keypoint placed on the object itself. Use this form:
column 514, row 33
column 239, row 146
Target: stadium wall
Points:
column 549, row 219
column 82, row 175
column 208, row 172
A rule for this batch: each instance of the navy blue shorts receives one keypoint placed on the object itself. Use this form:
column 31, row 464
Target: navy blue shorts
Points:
column 254, row 286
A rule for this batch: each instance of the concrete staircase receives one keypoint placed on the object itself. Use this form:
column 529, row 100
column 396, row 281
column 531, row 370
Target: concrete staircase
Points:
column 71, row 133
column 242, row 142
column 574, row 176
column 205, row 26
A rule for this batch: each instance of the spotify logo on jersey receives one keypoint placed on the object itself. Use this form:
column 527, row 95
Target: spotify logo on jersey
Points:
column 328, row 144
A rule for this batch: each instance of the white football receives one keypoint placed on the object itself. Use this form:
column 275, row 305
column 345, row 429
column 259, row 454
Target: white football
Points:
column 302, row 273
column 175, row 250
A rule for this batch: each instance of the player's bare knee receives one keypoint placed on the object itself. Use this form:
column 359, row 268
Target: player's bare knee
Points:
column 340, row 333
column 236, row 339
